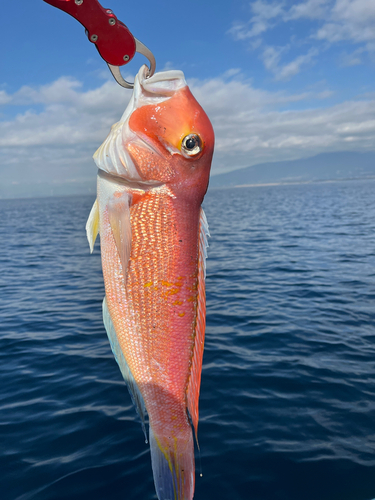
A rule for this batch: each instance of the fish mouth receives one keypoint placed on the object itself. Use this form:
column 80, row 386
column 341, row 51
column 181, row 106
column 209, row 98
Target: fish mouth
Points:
column 131, row 184
column 151, row 157
column 144, row 142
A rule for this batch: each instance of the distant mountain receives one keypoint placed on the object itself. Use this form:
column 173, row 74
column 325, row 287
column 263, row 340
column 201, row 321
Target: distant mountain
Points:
column 324, row 166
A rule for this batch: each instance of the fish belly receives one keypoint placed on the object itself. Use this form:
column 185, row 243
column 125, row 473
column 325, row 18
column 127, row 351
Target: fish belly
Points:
column 154, row 312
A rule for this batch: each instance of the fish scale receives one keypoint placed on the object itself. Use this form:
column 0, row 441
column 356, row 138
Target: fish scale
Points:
column 157, row 278
column 156, row 284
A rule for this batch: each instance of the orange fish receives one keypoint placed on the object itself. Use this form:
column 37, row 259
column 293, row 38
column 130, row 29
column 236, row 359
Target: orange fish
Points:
column 154, row 168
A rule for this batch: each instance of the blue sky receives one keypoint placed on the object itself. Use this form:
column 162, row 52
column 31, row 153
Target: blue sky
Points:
column 279, row 80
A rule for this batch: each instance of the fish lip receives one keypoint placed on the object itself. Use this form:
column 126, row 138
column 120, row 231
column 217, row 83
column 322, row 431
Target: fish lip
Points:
column 145, row 143
column 129, row 183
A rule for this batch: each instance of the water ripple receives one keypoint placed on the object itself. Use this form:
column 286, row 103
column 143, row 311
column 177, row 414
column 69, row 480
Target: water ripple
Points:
column 288, row 386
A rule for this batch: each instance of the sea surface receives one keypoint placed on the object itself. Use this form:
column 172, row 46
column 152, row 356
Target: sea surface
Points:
column 287, row 407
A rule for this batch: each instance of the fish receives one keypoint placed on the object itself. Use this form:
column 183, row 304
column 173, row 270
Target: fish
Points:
column 153, row 173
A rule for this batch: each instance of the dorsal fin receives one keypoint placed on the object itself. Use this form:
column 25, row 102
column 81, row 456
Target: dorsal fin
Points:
column 92, row 225
column 125, row 370
column 196, row 367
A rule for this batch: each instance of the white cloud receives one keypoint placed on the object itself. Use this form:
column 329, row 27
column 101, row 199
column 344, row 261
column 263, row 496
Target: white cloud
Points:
column 312, row 9
column 343, row 19
column 266, row 16
column 260, row 22
column 294, row 67
column 4, row 97
column 350, row 20
column 271, row 58
column 69, row 116
column 53, row 140
column 250, row 128
column 352, row 59
column 331, row 21
column 56, row 144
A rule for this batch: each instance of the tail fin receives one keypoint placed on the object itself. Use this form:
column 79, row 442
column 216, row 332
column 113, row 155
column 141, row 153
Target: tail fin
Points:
column 173, row 466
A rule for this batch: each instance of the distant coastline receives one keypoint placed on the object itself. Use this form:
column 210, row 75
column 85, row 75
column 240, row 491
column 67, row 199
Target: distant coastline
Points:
column 291, row 183
column 324, row 167
column 320, row 168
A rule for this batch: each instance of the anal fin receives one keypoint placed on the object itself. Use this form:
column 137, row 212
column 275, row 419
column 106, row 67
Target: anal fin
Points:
column 124, row 368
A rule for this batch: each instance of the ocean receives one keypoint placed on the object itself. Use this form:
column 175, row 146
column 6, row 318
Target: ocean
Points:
column 287, row 407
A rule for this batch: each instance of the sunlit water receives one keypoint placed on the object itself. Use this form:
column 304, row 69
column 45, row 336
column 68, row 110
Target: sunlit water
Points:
column 288, row 389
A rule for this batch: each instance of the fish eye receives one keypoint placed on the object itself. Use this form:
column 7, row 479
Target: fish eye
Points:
column 191, row 145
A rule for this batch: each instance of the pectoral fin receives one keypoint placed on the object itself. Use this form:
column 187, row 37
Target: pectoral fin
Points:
column 119, row 219
column 92, row 225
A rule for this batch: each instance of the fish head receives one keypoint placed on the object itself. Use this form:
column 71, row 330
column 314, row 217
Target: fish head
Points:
column 163, row 137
